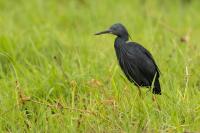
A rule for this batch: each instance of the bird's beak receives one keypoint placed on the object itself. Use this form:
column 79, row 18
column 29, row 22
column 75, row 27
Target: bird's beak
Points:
column 103, row 32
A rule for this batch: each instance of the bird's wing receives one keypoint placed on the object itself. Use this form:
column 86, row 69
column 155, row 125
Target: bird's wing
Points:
column 148, row 54
column 142, row 58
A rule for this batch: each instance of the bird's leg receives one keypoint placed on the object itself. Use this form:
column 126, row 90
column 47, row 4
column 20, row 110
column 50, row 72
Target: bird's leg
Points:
column 153, row 98
column 155, row 101
column 139, row 91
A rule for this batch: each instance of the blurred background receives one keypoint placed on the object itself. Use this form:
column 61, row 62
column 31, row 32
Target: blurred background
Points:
column 56, row 76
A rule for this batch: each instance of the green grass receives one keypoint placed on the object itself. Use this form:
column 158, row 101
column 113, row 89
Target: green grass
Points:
column 72, row 77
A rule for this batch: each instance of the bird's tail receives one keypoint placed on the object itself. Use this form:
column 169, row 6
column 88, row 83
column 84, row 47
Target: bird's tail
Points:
column 157, row 89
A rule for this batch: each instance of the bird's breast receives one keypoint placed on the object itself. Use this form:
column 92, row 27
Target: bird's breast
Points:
column 118, row 51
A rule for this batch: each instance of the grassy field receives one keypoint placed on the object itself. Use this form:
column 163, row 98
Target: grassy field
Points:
column 56, row 76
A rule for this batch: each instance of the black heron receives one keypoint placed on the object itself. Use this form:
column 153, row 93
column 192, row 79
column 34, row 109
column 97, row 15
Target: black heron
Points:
column 135, row 61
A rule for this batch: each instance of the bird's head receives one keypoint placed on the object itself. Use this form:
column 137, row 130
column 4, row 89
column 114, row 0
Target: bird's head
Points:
column 116, row 29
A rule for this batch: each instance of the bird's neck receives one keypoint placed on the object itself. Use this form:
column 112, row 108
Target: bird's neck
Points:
column 120, row 41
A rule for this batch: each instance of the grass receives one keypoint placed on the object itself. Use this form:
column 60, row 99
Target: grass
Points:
column 55, row 76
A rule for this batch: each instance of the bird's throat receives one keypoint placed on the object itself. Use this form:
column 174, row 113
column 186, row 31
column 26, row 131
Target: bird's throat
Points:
column 120, row 41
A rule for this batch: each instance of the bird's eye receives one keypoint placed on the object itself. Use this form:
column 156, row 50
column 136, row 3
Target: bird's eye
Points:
column 114, row 29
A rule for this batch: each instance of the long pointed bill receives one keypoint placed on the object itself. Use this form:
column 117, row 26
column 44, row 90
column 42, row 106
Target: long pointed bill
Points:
column 103, row 32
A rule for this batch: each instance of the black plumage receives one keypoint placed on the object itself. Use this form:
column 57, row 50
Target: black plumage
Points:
column 135, row 61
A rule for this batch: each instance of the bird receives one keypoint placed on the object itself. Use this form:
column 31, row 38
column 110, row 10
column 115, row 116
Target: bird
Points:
column 136, row 62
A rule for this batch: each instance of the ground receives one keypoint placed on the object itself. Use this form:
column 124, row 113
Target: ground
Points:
column 56, row 76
